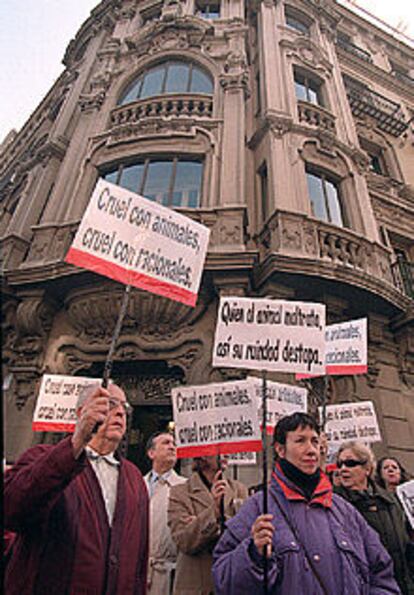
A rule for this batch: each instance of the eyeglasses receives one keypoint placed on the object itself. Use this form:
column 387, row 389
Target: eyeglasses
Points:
column 114, row 403
column 350, row 463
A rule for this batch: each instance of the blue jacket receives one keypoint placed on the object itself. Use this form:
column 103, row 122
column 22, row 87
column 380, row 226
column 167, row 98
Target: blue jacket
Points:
column 347, row 553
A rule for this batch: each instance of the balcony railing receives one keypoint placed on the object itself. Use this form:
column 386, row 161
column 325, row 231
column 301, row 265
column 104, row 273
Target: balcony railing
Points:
column 314, row 115
column 299, row 243
column 403, row 273
column 387, row 113
column 351, row 48
column 199, row 106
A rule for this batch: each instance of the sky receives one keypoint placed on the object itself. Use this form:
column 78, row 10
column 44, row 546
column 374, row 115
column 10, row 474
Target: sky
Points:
column 34, row 35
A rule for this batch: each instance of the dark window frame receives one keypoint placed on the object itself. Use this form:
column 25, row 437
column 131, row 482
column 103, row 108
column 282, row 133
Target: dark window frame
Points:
column 310, row 83
column 175, row 159
column 202, row 8
column 332, row 179
column 298, row 21
column 166, row 64
column 263, row 174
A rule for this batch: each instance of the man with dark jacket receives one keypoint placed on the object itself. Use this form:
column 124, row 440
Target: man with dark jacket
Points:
column 80, row 513
column 315, row 542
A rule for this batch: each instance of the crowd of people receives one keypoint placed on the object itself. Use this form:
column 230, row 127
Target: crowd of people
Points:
column 86, row 522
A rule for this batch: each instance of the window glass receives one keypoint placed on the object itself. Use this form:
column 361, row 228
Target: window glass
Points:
column 334, row 208
column 111, row 176
column 177, row 78
column 158, row 180
column 208, row 9
column 131, row 177
column 187, row 184
column 153, row 80
column 300, row 90
column 317, row 197
column 132, row 92
column 295, row 23
column 200, row 82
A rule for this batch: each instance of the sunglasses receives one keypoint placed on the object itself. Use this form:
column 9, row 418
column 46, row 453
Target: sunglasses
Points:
column 350, row 463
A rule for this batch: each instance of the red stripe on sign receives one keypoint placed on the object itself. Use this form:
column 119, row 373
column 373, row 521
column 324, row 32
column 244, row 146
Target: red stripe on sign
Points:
column 343, row 370
column 336, row 371
column 223, row 448
column 128, row 277
column 51, row 426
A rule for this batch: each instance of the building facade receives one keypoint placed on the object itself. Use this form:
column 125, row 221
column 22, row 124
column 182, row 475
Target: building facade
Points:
column 285, row 127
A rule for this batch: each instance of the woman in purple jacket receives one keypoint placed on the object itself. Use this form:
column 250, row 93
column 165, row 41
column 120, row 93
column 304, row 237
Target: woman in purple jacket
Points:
column 316, row 542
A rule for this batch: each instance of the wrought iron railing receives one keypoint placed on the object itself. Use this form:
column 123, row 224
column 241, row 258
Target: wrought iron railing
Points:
column 403, row 273
column 387, row 113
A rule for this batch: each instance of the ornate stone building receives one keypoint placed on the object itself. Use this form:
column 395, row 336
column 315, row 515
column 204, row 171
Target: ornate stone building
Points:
column 285, row 127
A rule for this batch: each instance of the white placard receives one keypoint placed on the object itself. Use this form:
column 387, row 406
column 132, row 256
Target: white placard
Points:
column 405, row 493
column 139, row 242
column 346, row 350
column 282, row 400
column 55, row 409
column 215, row 419
column 275, row 335
column 242, row 458
column 351, row 421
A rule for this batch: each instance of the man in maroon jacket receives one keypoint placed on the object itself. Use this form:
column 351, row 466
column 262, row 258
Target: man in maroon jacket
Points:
column 80, row 513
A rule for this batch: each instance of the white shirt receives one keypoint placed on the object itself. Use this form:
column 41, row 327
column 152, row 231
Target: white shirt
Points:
column 106, row 468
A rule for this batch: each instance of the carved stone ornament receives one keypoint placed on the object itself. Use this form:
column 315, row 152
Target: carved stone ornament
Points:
column 25, row 385
column 304, row 51
column 159, row 36
column 93, row 313
column 153, row 127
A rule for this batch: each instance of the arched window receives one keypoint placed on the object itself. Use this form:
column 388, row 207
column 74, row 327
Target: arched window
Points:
column 171, row 181
column 172, row 76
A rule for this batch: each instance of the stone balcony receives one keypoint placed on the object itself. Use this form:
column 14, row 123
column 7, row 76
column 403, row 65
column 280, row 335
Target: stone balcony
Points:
column 174, row 106
column 316, row 116
column 299, row 244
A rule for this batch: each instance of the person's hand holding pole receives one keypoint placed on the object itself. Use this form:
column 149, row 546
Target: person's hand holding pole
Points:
column 262, row 533
column 218, row 489
column 91, row 414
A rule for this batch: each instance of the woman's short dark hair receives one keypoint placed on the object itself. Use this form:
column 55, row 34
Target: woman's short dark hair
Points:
column 378, row 477
column 290, row 423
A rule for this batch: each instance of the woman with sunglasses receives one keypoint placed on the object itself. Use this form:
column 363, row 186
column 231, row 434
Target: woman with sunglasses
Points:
column 380, row 509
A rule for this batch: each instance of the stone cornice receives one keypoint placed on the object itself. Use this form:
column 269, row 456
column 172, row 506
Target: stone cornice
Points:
column 376, row 74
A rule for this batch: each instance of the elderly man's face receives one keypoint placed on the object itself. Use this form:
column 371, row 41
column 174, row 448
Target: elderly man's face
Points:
column 114, row 426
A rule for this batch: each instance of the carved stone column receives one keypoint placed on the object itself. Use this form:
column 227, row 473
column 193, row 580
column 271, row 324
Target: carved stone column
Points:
column 234, row 83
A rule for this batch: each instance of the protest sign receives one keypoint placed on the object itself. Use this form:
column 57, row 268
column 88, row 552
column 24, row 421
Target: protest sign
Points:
column 345, row 348
column 242, row 458
column 405, row 493
column 55, row 409
column 266, row 334
column 139, row 242
column 282, row 400
column 215, row 419
column 351, row 421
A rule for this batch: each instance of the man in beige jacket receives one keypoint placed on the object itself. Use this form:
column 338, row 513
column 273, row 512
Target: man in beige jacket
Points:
column 162, row 550
column 194, row 519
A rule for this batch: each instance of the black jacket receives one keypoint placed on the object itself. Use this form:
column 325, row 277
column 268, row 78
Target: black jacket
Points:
column 383, row 512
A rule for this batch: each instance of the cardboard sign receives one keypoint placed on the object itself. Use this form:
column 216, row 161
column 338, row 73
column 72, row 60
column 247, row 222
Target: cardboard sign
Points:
column 242, row 458
column 345, row 349
column 138, row 242
column 351, row 421
column 405, row 493
column 282, row 400
column 275, row 335
column 55, row 409
column 215, row 419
